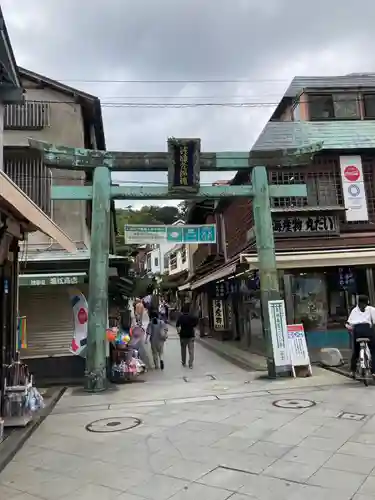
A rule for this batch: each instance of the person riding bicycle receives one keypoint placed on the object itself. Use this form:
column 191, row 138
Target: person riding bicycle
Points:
column 361, row 323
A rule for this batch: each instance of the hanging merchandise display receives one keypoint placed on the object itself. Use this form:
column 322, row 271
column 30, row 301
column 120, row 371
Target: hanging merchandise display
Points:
column 21, row 400
column 125, row 361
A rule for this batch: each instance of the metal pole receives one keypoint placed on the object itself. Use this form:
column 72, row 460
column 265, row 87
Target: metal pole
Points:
column 269, row 281
column 95, row 375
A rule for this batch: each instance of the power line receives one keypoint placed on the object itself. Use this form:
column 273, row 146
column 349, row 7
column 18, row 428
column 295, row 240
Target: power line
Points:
column 176, row 81
column 181, row 104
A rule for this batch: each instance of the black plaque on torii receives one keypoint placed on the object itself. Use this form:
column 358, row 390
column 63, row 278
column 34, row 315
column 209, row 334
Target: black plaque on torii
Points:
column 184, row 165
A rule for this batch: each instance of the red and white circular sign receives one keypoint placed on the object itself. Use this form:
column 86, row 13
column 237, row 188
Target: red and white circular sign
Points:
column 82, row 316
column 352, row 173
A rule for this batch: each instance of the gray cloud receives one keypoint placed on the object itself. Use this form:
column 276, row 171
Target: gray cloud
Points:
column 190, row 40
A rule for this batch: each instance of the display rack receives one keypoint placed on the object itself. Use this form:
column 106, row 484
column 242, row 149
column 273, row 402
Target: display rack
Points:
column 20, row 399
column 16, row 410
column 125, row 364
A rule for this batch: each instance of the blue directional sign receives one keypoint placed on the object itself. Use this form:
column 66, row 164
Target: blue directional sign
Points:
column 175, row 234
column 191, row 234
column 143, row 235
column 207, row 234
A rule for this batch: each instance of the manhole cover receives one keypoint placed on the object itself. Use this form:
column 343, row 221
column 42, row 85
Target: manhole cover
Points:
column 117, row 424
column 351, row 416
column 296, row 404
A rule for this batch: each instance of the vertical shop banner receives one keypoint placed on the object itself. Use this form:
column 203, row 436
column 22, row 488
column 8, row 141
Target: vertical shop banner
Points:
column 80, row 319
column 218, row 314
column 298, row 347
column 279, row 333
column 21, row 333
column 353, row 187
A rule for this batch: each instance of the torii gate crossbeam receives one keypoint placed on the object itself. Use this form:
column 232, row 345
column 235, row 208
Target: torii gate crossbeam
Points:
column 183, row 163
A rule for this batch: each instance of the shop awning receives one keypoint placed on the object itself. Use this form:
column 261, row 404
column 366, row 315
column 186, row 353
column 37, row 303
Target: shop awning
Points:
column 326, row 258
column 215, row 276
column 51, row 279
column 11, row 194
column 184, row 287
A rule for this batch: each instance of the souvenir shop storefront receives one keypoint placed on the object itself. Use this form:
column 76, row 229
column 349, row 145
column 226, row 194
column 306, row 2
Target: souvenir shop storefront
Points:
column 229, row 302
column 18, row 215
column 320, row 289
column 236, row 311
column 48, row 287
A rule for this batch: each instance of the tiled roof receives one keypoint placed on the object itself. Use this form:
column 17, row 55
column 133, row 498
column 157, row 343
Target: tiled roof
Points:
column 351, row 81
column 330, row 134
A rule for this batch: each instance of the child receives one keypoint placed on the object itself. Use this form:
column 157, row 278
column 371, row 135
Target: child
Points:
column 157, row 332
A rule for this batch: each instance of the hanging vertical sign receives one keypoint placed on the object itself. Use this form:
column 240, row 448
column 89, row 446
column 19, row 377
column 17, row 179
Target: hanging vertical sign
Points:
column 80, row 319
column 184, row 165
column 353, row 187
column 279, row 333
column 218, row 314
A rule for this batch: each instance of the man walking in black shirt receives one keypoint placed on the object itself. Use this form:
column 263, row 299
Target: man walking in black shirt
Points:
column 186, row 325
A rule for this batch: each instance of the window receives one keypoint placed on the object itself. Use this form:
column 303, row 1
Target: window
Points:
column 321, row 190
column 369, row 105
column 156, row 262
column 329, row 106
column 183, row 254
column 321, row 107
column 173, row 261
column 346, row 105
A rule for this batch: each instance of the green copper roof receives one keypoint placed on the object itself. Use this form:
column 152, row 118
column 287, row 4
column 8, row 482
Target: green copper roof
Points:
column 344, row 135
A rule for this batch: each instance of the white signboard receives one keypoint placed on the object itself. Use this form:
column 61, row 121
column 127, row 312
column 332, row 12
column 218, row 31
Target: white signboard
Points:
column 140, row 235
column 279, row 333
column 298, row 347
column 353, row 188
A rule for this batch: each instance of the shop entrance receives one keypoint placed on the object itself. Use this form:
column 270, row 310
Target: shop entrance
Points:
column 183, row 162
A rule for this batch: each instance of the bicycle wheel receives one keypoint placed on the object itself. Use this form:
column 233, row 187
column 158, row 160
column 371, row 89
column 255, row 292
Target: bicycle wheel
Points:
column 366, row 375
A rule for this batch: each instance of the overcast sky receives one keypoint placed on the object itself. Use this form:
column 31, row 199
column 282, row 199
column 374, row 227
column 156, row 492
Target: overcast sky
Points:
column 264, row 43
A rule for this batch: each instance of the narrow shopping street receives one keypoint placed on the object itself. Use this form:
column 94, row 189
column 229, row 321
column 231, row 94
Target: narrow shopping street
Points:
column 214, row 432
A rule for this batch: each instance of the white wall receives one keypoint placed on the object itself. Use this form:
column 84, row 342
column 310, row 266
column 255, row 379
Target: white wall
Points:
column 157, row 255
column 181, row 266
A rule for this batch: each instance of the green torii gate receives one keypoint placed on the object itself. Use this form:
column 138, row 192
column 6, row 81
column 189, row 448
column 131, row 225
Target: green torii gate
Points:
column 183, row 162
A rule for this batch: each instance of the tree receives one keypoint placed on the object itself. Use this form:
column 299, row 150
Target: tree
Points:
column 148, row 214
column 183, row 208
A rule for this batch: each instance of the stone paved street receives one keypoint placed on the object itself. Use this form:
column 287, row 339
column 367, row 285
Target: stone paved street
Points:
column 212, row 433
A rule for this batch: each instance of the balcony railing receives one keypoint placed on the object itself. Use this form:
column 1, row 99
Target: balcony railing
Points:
column 29, row 173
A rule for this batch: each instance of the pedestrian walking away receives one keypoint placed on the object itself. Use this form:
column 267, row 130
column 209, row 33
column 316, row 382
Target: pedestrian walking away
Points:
column 157, row 332
column 139, row 310
column 185, row 326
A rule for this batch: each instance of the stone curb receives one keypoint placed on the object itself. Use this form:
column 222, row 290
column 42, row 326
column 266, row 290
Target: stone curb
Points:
column 232, row 358
column 336, row 369
column 12, row 444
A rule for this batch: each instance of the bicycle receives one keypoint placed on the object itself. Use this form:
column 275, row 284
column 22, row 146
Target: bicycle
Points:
column 364, row 361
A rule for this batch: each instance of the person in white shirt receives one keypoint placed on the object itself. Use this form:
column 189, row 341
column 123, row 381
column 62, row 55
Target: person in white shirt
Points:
column 361, row 323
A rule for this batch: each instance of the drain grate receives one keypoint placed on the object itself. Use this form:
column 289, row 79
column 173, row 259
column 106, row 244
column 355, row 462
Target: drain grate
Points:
column 294, row 404
column 117, row 424
column 351, row 416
